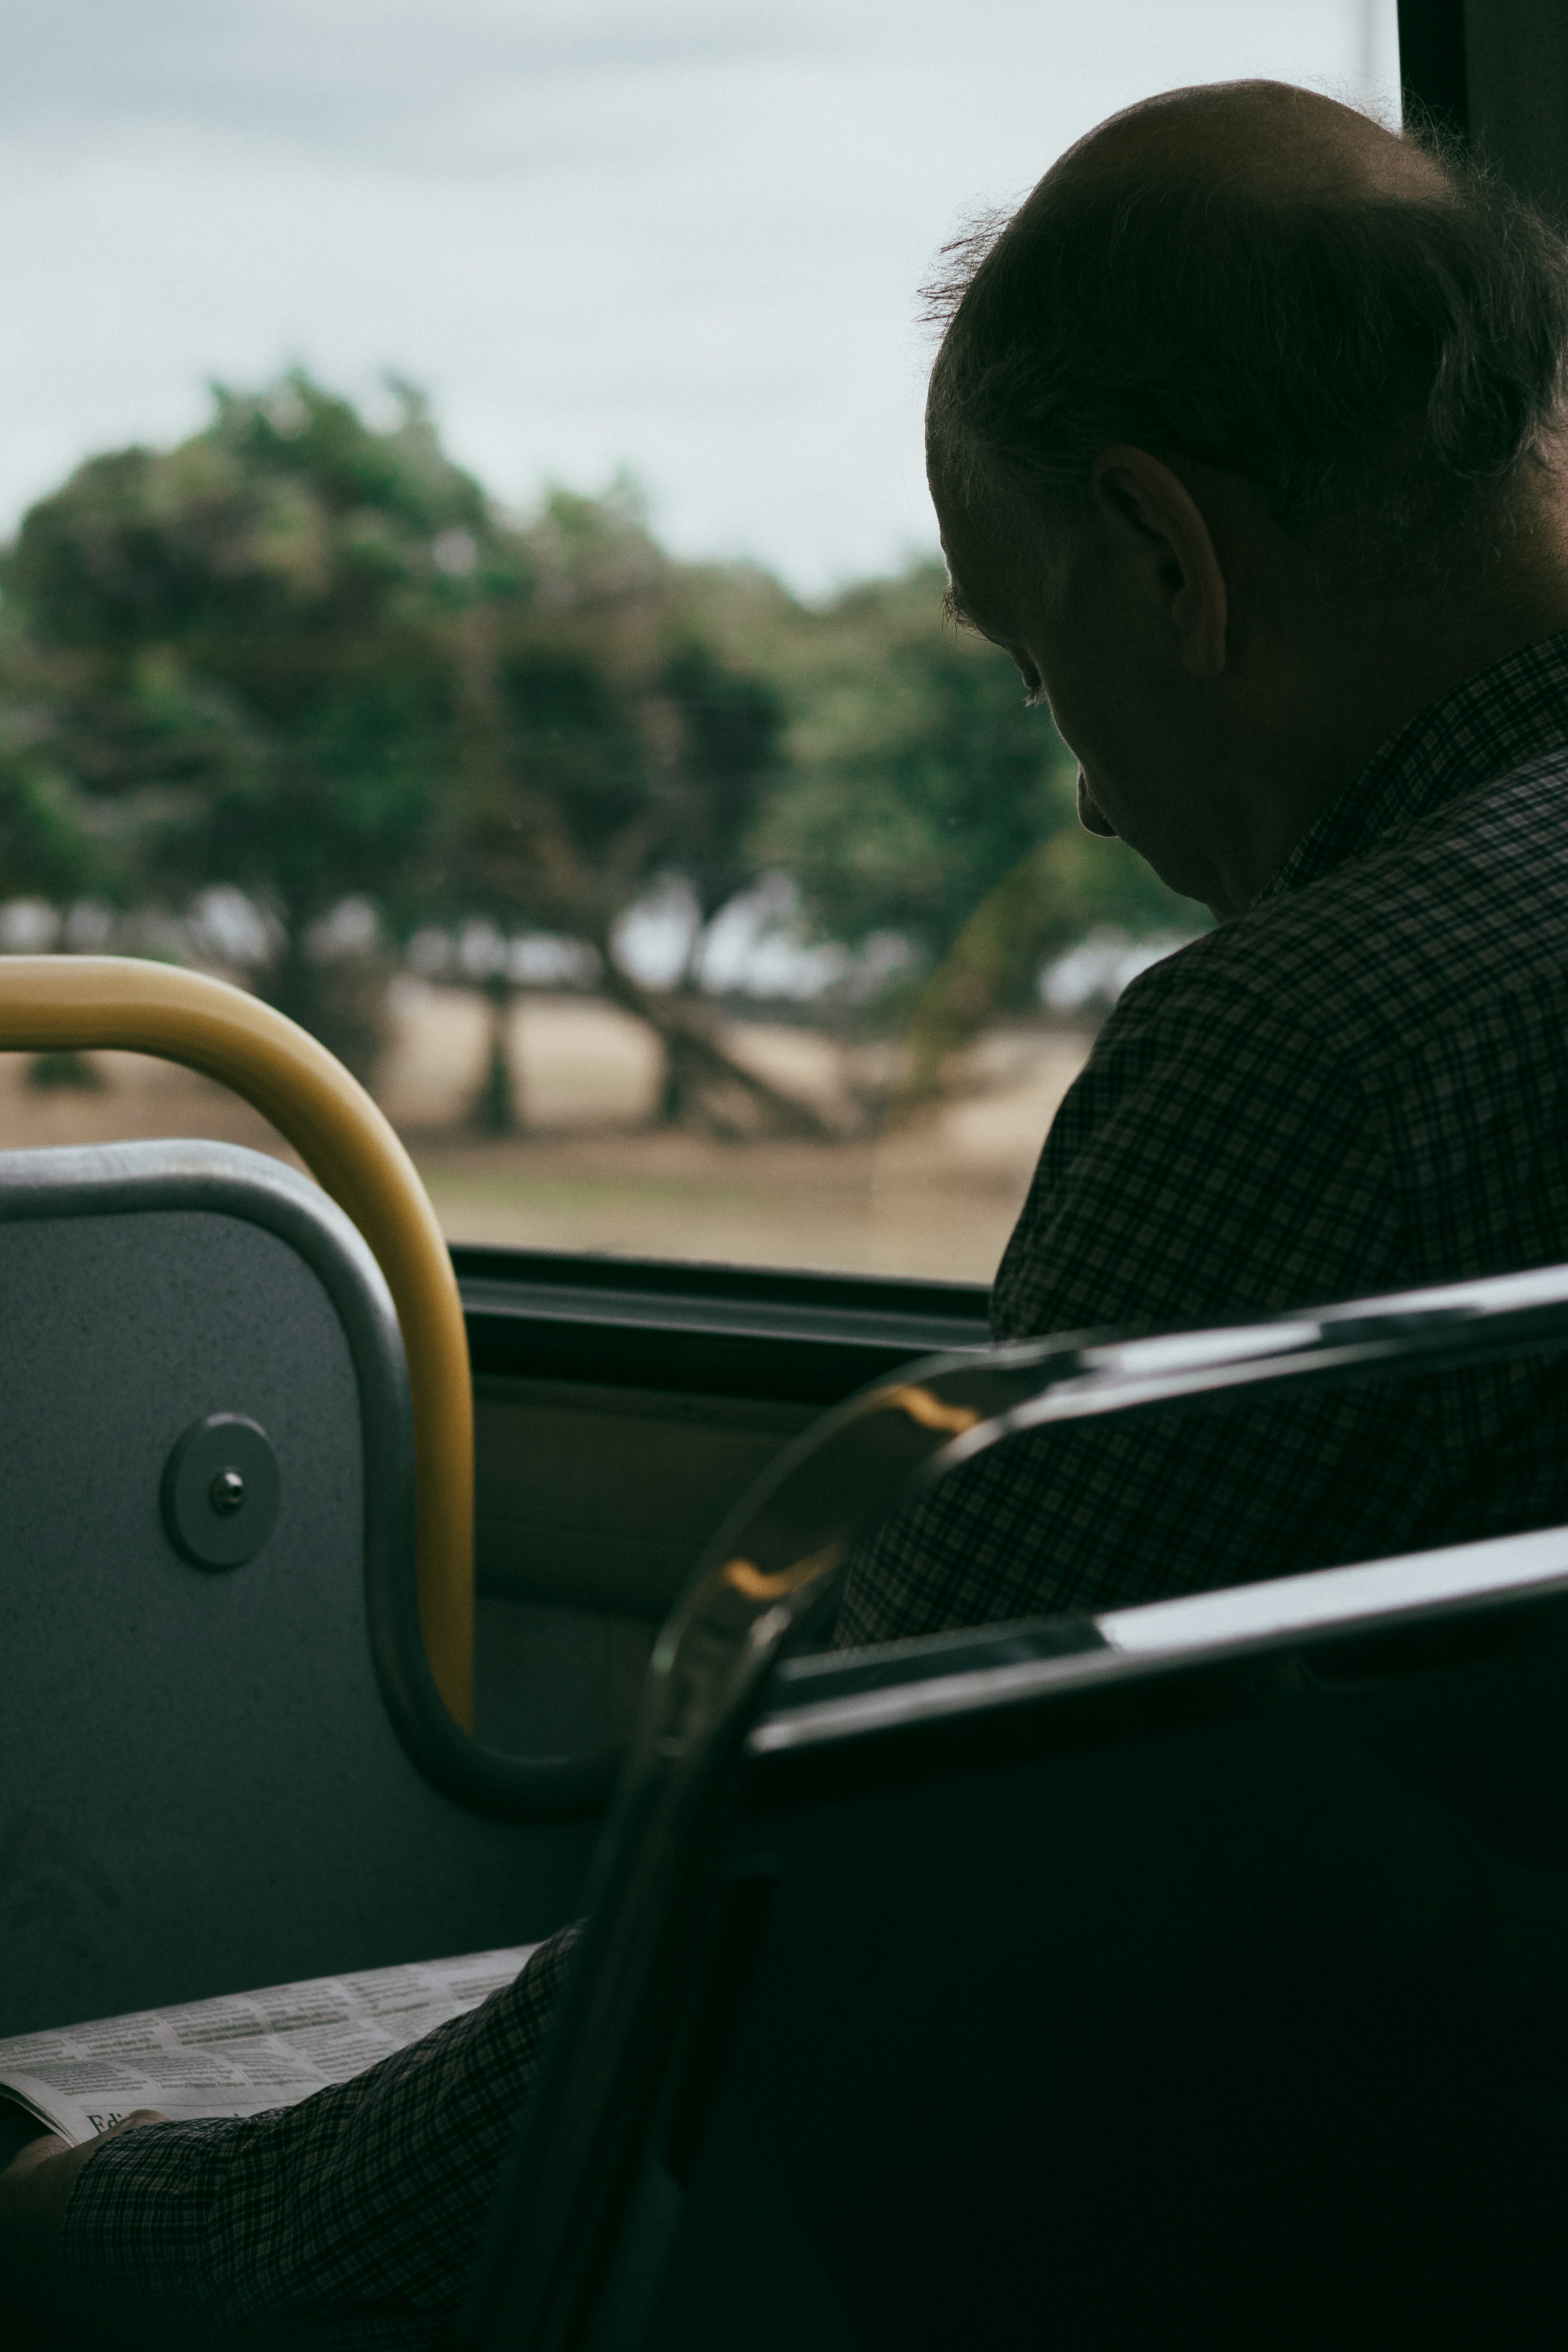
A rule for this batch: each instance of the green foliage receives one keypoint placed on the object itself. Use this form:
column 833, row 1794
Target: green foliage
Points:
column 1068, row 885
column 234, row 652
column 46, row 849
column 608, row 745
column 56, row 1073
column 302, row 655
column 730, row 736
column 553, row 826
column 921, row 782
column 927, row 799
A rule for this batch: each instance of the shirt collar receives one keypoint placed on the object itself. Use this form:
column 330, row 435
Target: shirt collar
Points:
column 1494, row 721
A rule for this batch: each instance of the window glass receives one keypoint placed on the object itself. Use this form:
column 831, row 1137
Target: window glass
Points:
column 471, row 580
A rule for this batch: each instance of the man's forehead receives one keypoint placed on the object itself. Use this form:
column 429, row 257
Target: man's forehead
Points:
column 971, row 566
column 957, row 602
column 979, row 593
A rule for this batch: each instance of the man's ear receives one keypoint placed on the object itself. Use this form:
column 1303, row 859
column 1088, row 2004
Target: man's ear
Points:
column 1157, row 517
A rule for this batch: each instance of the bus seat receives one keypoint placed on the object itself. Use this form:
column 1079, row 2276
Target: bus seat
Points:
column 1187, row 2019
column 1195, row 1975
column 215, row 1776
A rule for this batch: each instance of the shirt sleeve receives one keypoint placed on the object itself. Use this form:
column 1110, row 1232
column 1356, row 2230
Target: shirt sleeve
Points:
column 357, row 2212
column 1213, row 1164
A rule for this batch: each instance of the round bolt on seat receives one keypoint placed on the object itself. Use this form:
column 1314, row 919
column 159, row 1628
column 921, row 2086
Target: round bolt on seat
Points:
column 221, row 1491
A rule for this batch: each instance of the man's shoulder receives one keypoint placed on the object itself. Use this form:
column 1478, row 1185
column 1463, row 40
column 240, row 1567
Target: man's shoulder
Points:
column 1426, row 926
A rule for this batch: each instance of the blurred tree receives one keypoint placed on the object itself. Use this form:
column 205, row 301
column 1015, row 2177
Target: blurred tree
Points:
column 551, row 829
column 1068, row 884
column 45, row 848
column 235, row 650
column 728, row 754
column 927, row 800
column 302, row 655
column 594, row 767
column 48, row 847
column 921, row 778
column 48, row 852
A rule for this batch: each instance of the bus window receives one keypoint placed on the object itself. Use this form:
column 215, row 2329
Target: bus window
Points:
column 471, row 580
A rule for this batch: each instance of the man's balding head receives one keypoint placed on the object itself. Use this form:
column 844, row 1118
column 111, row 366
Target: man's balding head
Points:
column 1245, row 437
column 1253, row 277
column 1266, row 138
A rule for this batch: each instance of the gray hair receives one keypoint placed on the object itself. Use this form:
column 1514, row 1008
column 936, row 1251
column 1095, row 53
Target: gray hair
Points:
column 1383, row 369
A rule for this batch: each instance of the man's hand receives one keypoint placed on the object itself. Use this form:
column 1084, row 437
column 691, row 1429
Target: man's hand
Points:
column 35, row 2190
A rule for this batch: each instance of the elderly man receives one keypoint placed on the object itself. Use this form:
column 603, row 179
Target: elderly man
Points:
column 1246, row 439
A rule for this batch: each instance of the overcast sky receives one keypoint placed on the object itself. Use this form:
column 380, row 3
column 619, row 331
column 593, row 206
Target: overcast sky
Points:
column 683, row 235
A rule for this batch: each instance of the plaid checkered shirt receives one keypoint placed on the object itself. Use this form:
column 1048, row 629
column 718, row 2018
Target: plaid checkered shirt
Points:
column 351, row 2220
column 1360, row 1086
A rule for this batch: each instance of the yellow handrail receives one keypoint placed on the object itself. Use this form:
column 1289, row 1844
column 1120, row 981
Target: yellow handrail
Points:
column 71, row 1002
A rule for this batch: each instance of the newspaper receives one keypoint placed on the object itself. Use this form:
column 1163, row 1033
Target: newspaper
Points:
column 244, row 2052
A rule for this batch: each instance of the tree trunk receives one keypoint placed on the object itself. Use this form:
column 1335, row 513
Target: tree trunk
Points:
column 704, row 1085
column 341, row 1001
column 985, row 972
column 496, row 1108
column 65, row 1070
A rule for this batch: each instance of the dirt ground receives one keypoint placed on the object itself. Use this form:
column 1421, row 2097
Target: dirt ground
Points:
column 937, row 1197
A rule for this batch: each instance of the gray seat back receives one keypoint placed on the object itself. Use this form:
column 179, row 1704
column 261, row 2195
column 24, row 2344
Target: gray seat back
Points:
column 952, row 2000
column 215, row 1778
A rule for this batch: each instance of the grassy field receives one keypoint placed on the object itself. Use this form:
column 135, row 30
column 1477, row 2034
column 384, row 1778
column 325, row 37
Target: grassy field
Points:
column 937, row 1197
